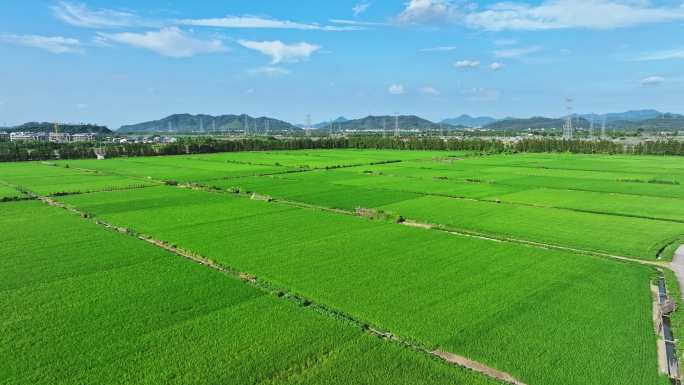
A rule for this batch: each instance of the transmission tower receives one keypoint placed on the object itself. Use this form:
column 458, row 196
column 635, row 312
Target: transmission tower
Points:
column 568, row 131
column 591, row 127
column 246, row 126
column 308, row 125
column 603, row 128
column 397, row 133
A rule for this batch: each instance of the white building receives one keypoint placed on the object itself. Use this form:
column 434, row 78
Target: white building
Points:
column 60, row 137
column 28, row 137
column 90, row 137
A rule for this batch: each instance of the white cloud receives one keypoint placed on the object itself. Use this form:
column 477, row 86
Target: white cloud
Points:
column 396, row 89
column 560, row 14
column 271, row 71
column 54, row 44
column 467, row 64
column 549, row 14
column 281, row 52
column 482, row 95
column 516, row 52
column 663, row 55
column 356, row 23
column 360, row 8
column 439, row 49
column 255, row 22
column 496, row 66
column 81, row 16
column 170, row 41
column 652, row 81
column 427, row 11
column 429, row 91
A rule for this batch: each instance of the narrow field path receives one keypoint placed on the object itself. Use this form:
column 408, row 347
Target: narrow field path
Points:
column 677, row 266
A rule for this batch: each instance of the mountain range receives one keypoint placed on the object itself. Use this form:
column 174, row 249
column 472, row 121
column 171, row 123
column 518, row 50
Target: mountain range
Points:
column 69, row 128
column 469, row 121
column 186, row 123
column 387, row 123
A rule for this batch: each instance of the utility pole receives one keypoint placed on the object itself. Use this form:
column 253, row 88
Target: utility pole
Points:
column 308, row 125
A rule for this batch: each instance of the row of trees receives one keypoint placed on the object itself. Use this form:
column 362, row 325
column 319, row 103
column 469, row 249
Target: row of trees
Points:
column 11, row 152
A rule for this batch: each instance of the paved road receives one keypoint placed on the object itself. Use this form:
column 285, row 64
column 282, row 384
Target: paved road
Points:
column 678, row 267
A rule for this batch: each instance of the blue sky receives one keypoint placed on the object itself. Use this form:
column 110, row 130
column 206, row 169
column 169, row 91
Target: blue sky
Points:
column 122, row 61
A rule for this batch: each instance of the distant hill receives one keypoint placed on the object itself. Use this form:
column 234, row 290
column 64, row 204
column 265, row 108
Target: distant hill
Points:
column 629, row 116
column 406, row 122
column 341, row 119
column 62, row 127
column 207, row 123
column 469, row 121
column 664, row 122
column 534, row 123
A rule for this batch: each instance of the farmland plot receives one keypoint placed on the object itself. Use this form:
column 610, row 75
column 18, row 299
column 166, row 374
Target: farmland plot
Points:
column 317, row 188
column 82, row 305
column 508, row 306
column 310, row 159
column 589, row 229
column 178, row 168
column 9, row 193
column 618, row 235
column 621, row 204
column 50, row 180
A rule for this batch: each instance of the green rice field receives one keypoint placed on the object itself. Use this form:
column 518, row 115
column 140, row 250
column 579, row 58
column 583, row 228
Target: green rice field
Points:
column 510, row 261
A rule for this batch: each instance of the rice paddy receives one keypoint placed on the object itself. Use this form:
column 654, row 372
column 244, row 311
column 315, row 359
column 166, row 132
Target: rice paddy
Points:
column 523, row 283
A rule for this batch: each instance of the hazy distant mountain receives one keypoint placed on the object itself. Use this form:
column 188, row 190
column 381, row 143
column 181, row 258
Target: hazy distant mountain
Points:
column 61, row 127
column 209, row 123
column 378, row 123
column 663, row 122
column 534, row 123
column 469, row 121
column 629, row 116
column 341, row 119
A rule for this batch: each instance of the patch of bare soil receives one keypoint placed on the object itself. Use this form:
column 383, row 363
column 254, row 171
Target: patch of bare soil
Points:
column 477, row 367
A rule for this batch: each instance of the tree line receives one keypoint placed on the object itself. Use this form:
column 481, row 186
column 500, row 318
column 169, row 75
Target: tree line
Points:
column 12, row 152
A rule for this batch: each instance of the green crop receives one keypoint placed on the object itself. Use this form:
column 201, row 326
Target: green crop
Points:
column 461, row 294
column 83, row 305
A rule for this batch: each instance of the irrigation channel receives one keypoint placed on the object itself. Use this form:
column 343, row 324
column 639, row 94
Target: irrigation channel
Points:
column 665, row 325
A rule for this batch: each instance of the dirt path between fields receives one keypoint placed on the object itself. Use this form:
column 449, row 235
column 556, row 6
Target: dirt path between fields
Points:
column 677, row 267
column 478, row 367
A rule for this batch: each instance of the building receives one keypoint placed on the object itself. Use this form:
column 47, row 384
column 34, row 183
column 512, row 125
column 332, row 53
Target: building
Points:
column 90, row 137
column 60, row 137
column 28, row 137
column 4, row 137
